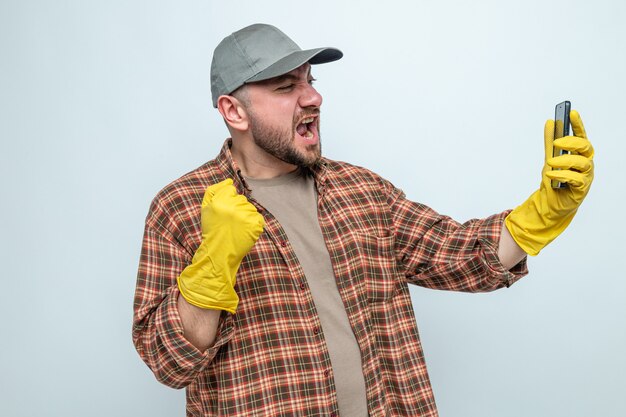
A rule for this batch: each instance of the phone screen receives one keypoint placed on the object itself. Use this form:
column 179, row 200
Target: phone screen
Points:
column 561, row 129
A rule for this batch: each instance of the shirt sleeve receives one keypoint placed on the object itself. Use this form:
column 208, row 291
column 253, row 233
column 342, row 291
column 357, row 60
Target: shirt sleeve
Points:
column 157, row 327
column 438, row 252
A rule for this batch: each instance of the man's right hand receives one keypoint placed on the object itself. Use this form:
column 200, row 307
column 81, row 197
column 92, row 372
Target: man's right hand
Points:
column 230, row 227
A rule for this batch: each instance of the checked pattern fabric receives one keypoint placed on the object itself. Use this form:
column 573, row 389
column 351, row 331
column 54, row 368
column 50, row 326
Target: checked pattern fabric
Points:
column 267, row 359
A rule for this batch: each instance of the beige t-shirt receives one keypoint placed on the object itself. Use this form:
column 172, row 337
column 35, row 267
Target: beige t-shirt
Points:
column 292, row 199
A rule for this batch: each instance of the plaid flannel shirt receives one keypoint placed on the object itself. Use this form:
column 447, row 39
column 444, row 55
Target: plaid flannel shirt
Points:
column 267, row 359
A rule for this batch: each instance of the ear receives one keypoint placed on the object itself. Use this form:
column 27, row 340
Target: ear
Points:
column 233, row 112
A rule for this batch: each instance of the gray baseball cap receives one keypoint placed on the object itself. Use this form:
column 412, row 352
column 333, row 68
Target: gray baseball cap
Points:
column 259, row 52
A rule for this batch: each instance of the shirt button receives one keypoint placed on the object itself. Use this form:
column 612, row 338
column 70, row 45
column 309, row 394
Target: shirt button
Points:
column 333, row 414
column 283, row 243
column 316, row 330
column 327, row 372
column 302, row 285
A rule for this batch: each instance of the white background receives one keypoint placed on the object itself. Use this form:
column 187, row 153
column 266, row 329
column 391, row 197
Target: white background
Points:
column 102, row 103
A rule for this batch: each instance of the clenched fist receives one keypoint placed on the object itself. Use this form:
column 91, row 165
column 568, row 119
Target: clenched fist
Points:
column 230, row 227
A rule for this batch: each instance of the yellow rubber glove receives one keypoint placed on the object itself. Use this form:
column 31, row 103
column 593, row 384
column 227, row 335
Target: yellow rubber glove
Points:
column 548, row 211
column 230, row 227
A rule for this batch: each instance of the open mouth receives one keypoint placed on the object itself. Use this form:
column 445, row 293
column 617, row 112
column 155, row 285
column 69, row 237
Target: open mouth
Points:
column 307, row 128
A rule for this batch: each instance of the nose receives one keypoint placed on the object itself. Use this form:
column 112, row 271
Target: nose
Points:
column 310, row 97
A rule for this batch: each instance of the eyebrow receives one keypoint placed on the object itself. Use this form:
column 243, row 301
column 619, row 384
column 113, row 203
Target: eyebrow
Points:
column 288, row 77
column 284, row 77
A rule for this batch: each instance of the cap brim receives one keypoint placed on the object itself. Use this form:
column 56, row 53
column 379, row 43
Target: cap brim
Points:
column 295, row 59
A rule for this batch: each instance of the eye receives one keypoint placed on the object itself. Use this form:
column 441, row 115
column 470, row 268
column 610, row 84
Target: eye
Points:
column 312, row 81
column 285, row 87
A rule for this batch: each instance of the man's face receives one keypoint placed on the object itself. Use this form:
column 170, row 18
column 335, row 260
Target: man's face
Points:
column 284, row 117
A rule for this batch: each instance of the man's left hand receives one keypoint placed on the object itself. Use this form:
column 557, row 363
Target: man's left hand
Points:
column 548, row 211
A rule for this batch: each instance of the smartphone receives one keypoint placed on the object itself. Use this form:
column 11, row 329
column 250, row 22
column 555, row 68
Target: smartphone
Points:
column 561, row 129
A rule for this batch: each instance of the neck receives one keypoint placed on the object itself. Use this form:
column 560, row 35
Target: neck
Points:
column 256, row 163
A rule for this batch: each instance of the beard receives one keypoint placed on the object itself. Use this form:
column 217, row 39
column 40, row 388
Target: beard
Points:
column 280, row 143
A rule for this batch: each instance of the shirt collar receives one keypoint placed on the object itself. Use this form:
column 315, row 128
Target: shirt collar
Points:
column 230, row 169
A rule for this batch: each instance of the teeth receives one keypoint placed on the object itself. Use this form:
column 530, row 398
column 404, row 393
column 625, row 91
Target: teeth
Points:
column 308, row 134
column 308, row 120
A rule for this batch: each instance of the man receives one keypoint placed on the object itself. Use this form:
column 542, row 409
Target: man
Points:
column 273, row 281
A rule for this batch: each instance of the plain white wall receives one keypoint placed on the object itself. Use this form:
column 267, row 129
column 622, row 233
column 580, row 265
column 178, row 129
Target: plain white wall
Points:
column 102, row 103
